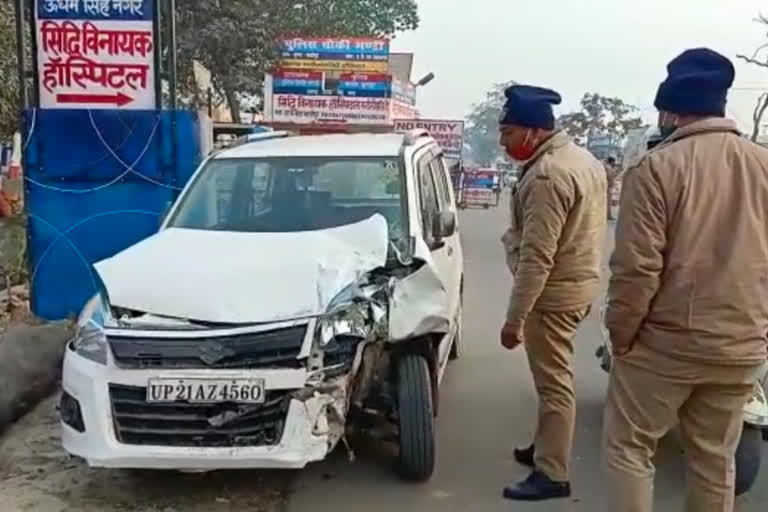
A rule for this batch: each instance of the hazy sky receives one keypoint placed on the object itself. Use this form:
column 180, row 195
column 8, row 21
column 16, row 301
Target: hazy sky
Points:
column 614, row 47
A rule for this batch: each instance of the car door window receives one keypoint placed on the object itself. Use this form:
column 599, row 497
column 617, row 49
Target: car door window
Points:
column 441, row 182
column 429, row 202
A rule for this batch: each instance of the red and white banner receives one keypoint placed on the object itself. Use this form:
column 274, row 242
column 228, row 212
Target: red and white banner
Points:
column 401, row 109
column 478, row 196
column 298, row 74
column 449, row 134
column 300, row 109
column 96, row 64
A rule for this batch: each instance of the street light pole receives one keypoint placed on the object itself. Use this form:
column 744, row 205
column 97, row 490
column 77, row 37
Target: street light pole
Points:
column 425, row 79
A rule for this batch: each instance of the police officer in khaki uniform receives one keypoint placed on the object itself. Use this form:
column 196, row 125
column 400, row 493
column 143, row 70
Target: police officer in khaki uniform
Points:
column 553, row 247
column 688, row 308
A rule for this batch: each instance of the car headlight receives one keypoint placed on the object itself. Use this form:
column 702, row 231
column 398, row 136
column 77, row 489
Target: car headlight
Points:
column 90, row 340
column 335, row 326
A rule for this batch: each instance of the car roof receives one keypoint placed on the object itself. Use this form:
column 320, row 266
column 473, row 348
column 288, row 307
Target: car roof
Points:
column 332, row 145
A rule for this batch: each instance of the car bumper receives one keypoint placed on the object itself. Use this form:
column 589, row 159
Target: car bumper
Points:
column 306, row 435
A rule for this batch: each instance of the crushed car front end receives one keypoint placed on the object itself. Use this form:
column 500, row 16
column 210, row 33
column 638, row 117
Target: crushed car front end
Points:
column 116, row 423
column 161, row 393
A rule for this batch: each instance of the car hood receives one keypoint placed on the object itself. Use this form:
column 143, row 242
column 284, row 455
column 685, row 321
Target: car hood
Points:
column 229, row 277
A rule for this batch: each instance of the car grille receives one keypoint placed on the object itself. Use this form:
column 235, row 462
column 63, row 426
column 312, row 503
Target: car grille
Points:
column 137, row 422
column 267, row 349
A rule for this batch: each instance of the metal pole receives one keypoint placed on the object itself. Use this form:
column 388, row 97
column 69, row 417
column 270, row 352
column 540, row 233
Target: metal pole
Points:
column 33, row 46
column 172, row 52
column 18, row 7
column 157, row 57
column 171, row 14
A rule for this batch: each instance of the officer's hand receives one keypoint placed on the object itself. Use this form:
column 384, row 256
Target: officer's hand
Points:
column 511, row 336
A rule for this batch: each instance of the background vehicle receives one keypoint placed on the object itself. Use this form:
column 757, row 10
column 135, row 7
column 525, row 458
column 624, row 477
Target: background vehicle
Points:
column 296, row 283
column 481, row 188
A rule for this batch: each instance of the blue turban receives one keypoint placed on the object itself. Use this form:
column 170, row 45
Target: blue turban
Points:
column 530, row 107
column 697, row 84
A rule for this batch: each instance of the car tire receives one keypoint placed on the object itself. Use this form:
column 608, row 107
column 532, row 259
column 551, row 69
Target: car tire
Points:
column 748, row 459
column 416, row 419
column 456, row 346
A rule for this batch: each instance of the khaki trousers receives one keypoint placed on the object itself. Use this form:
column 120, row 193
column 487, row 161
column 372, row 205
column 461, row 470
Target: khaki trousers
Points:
column 549, row 345
column 648, row 394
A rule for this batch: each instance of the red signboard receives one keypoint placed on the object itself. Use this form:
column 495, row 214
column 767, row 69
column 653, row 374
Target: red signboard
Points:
column 298, row 74
column 365, row 77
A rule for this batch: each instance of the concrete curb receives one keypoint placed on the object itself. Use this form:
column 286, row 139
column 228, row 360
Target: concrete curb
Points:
column 30, row 367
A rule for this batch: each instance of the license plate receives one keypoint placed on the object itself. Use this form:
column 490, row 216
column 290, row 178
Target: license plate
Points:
column 206, row 391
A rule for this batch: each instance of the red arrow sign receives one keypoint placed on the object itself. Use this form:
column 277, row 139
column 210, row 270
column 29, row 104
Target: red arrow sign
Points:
column 118, row 99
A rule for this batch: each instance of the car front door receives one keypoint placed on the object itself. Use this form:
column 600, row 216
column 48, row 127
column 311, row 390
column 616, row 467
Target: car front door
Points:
column 453, row 241
column 443, row 252
column 454, row 257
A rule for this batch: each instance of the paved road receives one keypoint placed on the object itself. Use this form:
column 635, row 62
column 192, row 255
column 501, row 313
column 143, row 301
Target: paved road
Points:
column 487, row 408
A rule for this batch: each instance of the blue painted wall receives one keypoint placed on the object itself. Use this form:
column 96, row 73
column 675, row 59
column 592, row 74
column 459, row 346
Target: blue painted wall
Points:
column 96, row 183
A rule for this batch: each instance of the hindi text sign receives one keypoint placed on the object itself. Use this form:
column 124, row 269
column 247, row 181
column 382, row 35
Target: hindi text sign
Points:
column 357, row 54
column 404, row 92
column 304, row 109
column 449, row 134
column 95, row 54
column 286, row 81
column 370, row 85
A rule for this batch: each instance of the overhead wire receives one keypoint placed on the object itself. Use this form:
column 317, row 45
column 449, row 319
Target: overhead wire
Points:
column 117, row 157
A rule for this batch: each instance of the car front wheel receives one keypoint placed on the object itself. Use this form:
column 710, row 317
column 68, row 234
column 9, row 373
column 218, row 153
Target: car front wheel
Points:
column 416, row 419
column 748, row 455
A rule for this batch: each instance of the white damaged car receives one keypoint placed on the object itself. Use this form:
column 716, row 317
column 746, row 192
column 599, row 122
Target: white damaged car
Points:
column 298, row 287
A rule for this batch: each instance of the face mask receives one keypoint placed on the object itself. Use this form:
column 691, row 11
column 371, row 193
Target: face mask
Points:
column 524, row 151
column 667, row 128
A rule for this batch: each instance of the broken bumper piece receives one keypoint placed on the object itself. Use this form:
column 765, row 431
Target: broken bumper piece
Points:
column 288, row 432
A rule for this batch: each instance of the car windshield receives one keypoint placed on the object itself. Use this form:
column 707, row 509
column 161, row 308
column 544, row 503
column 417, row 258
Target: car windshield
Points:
column 276, row 195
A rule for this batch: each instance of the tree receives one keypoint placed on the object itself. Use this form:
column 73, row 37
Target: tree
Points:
column 9, row 83
column 757, row 115
column 601, row 115
column 759, row 57
column 481, row 135
column 237, row 39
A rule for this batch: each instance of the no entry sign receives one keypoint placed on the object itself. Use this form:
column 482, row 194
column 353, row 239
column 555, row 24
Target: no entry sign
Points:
column 95, row 54
column 449, row 134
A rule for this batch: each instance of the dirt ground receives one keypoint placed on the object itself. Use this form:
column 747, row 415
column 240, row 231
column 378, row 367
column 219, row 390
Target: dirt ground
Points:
column 37, row 476
column 16, row 316
column 14, row 307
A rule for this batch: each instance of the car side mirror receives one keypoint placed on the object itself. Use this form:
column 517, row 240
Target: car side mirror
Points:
column 445, row 224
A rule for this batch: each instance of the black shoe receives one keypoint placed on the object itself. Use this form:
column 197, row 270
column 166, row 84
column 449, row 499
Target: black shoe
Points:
column 537, row 487
column 524, row 456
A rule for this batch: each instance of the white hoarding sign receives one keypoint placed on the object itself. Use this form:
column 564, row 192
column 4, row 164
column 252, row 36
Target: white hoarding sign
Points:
column 449, row 134
column 95, row 54
column 305, row 109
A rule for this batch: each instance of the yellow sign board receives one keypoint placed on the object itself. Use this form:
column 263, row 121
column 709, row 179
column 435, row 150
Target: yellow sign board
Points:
column 363, row 66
